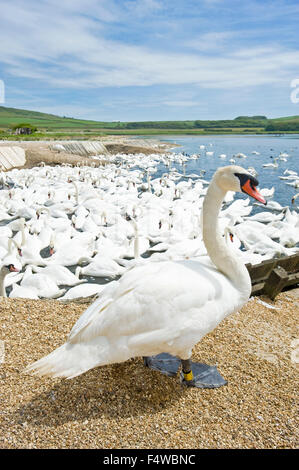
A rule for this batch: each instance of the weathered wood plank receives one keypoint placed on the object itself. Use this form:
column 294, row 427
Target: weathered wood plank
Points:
column 262, row 270
column 257, row 289
column 289, row 263
column 276, row 282
column 271, row 276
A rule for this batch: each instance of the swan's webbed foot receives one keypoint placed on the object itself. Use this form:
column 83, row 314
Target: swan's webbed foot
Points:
column 164, row 363
column 193, row 374
column 199, row 375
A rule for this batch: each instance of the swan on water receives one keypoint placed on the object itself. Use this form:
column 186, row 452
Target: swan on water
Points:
column 99, row 266
column 60, row 275
column 273, row 206
column 295, row 183
column 267, row 192
column 271, row 165
column 164, row 307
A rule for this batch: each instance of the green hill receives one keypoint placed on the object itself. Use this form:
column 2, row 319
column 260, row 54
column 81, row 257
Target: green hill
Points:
column 283, row 124
column 11, row 116
column 287, row 118
column 62, row 125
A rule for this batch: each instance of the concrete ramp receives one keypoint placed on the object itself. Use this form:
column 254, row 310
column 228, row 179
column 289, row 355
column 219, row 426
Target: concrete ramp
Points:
column 85, row 148
column 11, row 157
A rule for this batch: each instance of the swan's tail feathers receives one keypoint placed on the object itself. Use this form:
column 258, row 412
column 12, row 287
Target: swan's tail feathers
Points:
column 72, row 359
column 56, row 364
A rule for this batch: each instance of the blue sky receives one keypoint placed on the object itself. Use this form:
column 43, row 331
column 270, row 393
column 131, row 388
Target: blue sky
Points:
column 134, row 60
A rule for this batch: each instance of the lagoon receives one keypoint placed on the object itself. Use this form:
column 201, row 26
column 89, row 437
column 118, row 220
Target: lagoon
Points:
column 267, row 146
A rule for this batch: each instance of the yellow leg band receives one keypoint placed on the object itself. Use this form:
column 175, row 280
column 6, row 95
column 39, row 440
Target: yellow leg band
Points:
column 188, row 375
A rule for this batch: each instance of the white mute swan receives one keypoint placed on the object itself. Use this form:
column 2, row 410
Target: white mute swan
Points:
column 85, row 290
column 163, row 307
column 271, row 165
column 59, row 274
column 6, row 268
column 43, row 284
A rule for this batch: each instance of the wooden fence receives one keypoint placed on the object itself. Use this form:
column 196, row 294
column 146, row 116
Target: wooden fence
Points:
column 272, row 276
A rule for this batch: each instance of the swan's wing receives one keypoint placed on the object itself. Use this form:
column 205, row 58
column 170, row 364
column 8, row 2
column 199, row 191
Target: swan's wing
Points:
column 165, row 297
column 92, row 310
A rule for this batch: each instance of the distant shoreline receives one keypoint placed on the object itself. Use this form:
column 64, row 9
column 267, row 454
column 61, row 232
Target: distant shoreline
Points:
column 14, row 123
column 42, row 151
column 47, row 152
column 131, row 134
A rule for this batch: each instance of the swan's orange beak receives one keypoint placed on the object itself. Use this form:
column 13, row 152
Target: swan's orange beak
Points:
column 12, row 269
column 253, row 192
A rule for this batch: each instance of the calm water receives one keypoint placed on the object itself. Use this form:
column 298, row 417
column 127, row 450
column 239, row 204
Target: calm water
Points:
column 267, row 146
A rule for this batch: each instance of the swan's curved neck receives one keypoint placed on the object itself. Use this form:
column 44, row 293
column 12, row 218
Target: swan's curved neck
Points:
column 11, row 242
column 78, row 271
column 219, row 251
column 136, row 239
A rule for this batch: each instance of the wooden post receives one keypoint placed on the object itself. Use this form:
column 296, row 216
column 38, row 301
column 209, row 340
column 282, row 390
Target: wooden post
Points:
column 276, row 282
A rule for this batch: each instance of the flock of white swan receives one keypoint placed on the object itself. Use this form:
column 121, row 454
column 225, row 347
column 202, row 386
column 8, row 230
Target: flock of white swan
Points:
column 167, row 250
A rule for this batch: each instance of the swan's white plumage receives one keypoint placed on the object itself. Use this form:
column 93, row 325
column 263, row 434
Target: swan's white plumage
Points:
column 145, row 313
column 159, row 307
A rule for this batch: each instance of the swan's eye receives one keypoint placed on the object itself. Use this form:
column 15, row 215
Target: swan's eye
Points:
column 244, row 178
column 11, row 268
column 248, row 185
column 253, row 182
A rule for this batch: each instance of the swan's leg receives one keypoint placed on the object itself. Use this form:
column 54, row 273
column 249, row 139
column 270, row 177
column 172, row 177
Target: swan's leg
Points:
column 193, row 374
column 164, row 363
column 200, row 375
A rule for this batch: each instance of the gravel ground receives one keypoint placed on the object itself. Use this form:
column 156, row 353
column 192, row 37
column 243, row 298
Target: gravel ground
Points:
column 129, row 406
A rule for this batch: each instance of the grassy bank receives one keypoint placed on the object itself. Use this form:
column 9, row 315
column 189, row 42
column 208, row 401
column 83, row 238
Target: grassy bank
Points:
column 142, row 132
column 54, row 127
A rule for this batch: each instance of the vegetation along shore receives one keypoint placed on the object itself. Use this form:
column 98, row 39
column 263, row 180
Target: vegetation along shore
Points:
column 49, row 126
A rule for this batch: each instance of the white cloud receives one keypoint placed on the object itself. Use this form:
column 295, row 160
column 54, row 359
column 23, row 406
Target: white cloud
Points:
column 71, row 50
column 212, row 41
